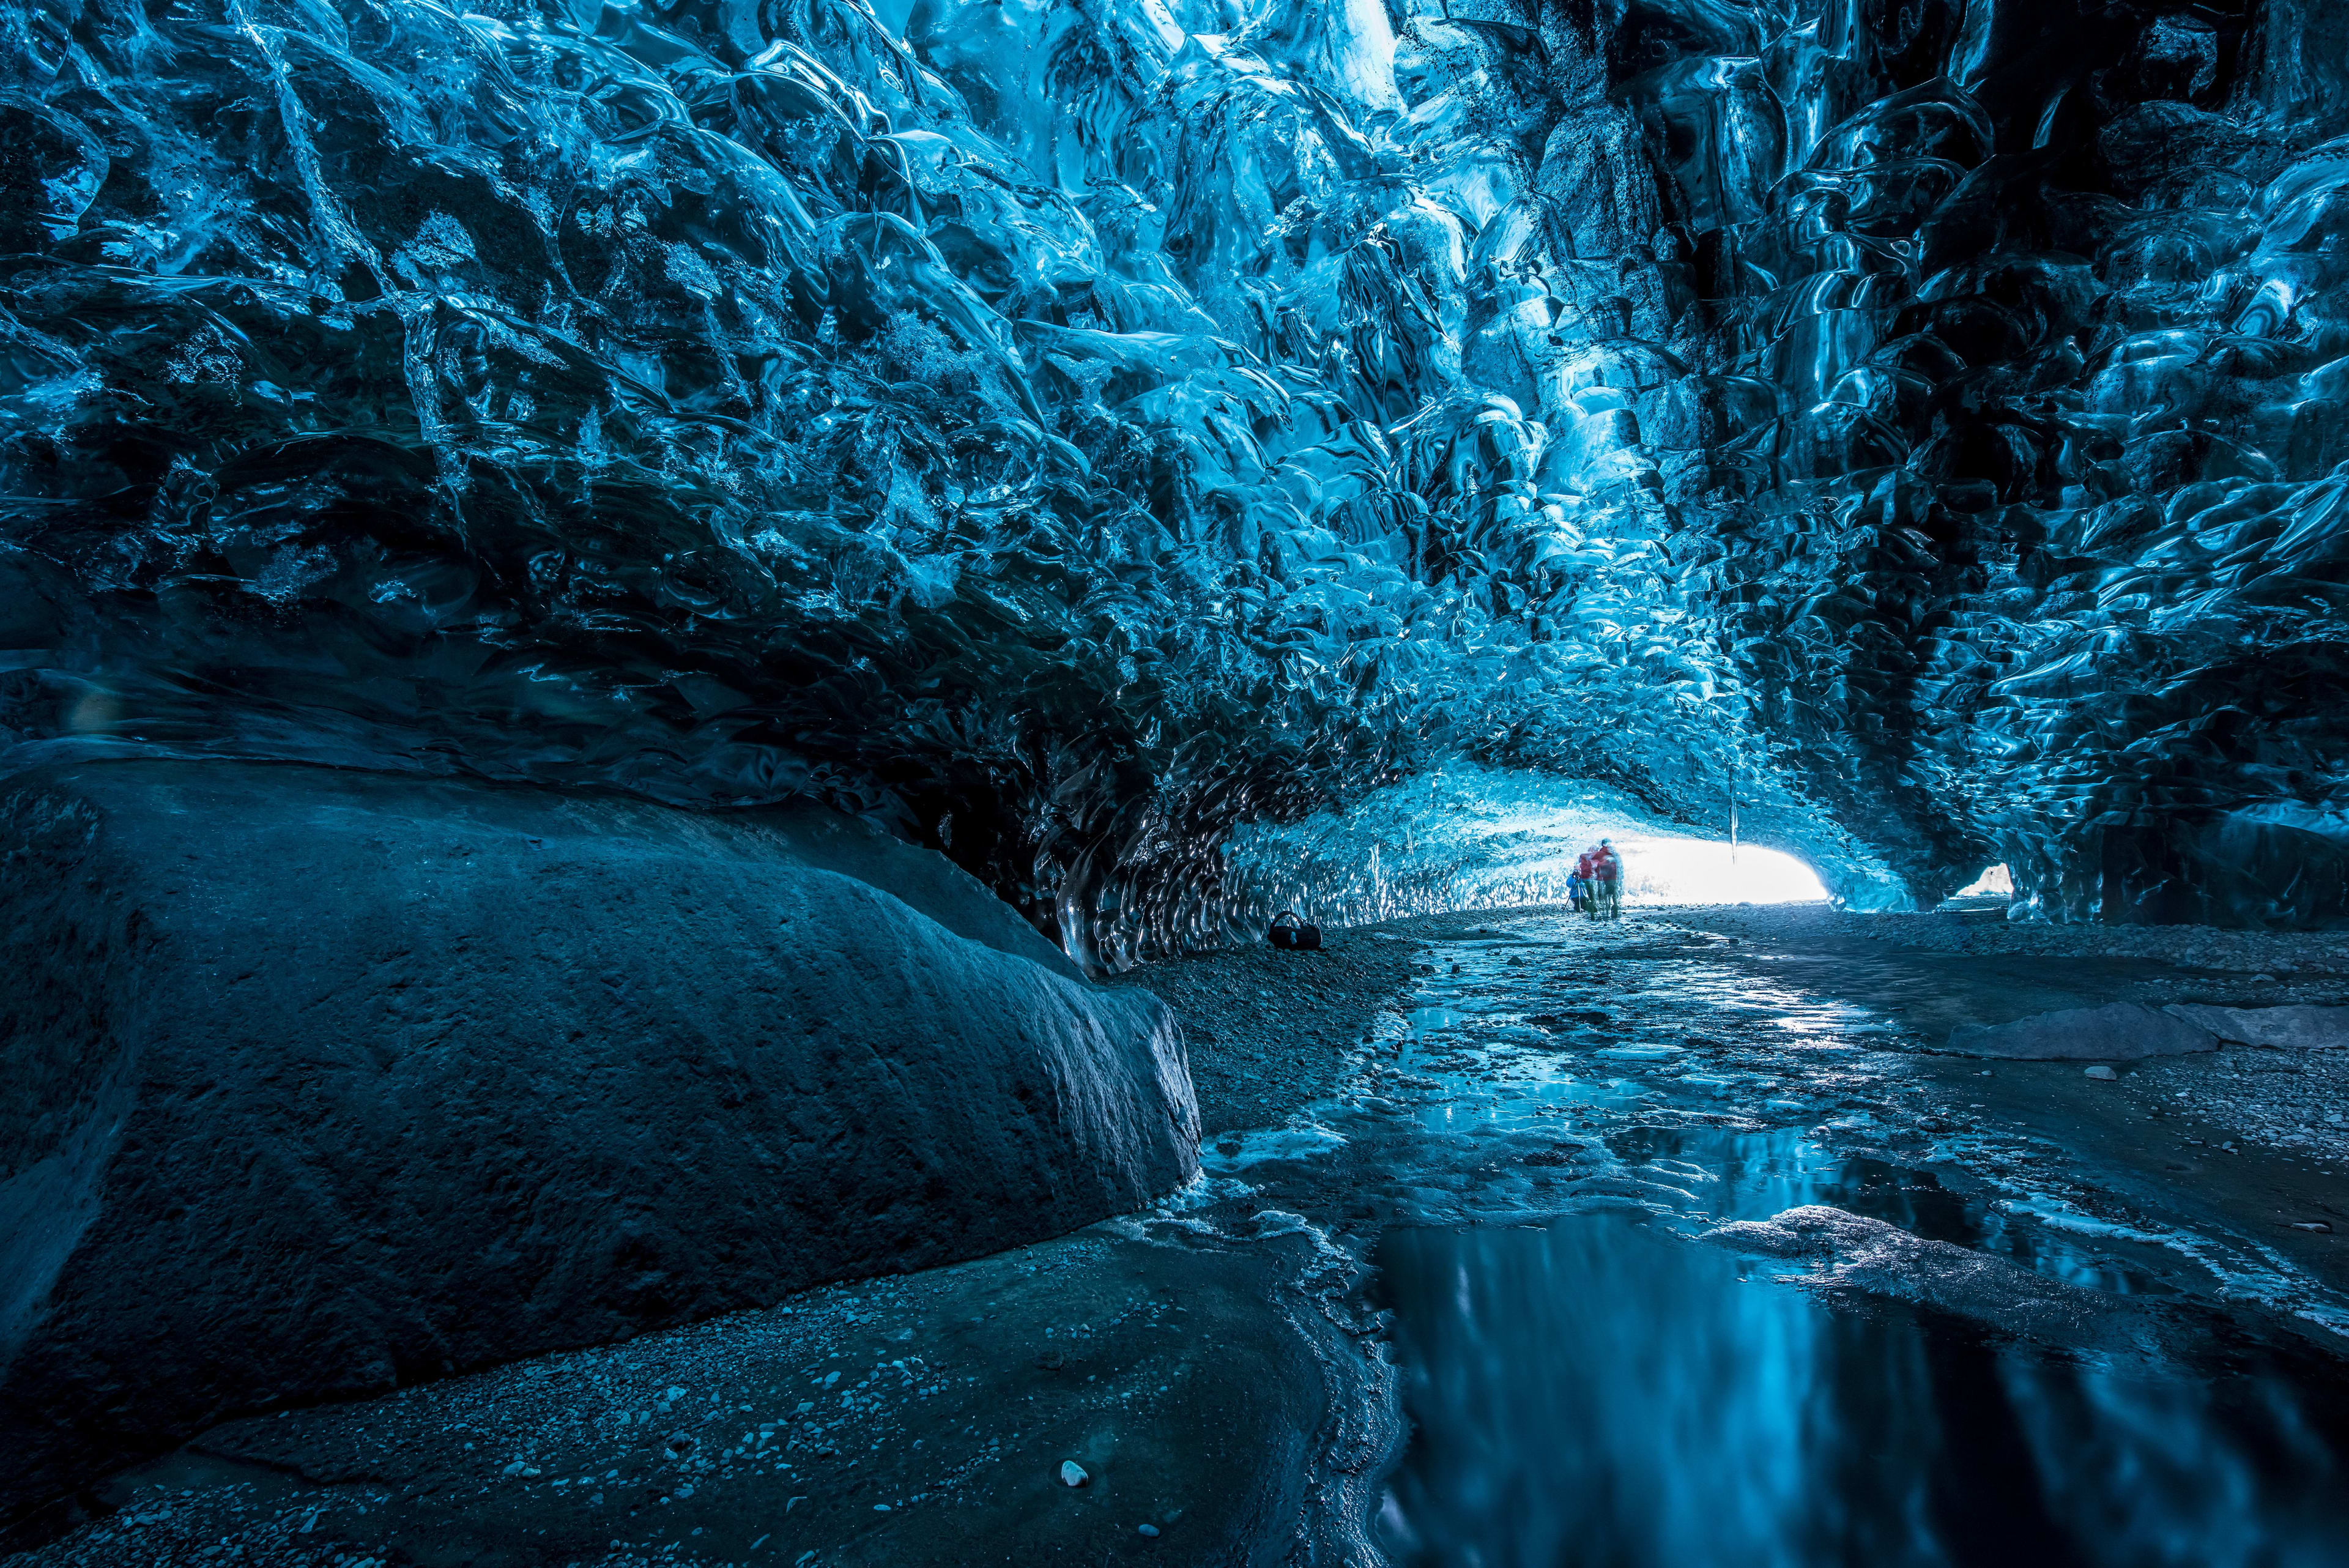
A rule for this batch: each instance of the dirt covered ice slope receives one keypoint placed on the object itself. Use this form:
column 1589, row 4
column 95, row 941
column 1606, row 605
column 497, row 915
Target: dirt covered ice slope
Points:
column 321, row 1081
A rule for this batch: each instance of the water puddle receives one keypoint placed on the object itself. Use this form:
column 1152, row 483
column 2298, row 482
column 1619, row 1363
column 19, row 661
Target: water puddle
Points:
column 1598, row 1390
column 1684, row 1263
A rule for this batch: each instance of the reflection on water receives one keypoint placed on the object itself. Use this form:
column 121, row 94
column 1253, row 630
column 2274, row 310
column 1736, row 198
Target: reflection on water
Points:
column 1568, row 1108
column 1601, row 1391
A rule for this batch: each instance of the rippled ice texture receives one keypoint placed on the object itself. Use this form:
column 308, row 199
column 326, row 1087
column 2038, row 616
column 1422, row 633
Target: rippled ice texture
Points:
column 1067, row 431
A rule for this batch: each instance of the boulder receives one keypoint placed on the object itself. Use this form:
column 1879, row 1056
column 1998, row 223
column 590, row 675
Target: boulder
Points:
column 315, row 1082
column 2120, row 1031
column 2302, row 1027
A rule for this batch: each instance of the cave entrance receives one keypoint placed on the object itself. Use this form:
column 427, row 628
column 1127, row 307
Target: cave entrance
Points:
column 1995, row 882
column 1659, row 870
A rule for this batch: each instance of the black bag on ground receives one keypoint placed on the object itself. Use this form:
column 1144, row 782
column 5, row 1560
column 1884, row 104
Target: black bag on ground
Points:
column 1290, row 931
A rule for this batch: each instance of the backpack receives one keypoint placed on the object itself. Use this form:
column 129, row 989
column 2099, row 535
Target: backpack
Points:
column 1295, row 935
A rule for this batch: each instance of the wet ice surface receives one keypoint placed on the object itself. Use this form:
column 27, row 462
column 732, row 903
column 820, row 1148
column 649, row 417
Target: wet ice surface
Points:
column 1566, row 1163
column 1628, row 1243
column 1597, row 1390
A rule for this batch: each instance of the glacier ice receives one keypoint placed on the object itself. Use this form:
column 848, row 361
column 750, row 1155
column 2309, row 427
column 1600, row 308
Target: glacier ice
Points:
column 1068, row 432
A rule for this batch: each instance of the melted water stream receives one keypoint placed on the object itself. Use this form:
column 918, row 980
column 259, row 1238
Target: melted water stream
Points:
column 1919, row 1340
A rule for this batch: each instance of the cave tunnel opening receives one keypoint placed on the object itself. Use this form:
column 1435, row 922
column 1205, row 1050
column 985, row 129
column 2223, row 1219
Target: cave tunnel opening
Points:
column 1699, row 871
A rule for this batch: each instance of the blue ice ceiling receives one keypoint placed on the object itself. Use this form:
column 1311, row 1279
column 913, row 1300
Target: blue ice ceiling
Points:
column 1071, row 431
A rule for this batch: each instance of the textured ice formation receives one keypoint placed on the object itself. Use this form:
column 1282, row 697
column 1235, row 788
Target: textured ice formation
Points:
column 2047, row 332
column 1068, row 431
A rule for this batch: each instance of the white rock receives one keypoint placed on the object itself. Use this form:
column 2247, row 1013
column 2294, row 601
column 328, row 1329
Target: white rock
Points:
column 1072, row 1473
column 2101, row 1074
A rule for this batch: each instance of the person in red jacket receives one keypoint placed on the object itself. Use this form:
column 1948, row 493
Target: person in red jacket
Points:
column 1606, row 882
column 1577, row 887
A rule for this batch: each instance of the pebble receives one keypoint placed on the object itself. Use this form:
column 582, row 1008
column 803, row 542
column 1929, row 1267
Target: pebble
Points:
column 1072, row 1473
column 1149, row 1530
column 2101, row 1074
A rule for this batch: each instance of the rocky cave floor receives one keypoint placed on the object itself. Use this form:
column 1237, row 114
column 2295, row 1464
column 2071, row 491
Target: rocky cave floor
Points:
column 1241, row 1366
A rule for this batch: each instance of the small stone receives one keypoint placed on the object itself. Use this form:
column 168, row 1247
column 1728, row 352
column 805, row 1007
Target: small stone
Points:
column 1072, row 1473
column 1149, row 1530
column 2101, row 1074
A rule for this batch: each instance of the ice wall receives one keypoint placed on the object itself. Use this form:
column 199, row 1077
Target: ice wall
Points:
column 1066, row 433
column 2037, row 318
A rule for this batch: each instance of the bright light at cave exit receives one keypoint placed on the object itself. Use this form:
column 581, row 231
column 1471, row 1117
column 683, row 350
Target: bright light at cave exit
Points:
column 1708, row 871
column 1996, row 880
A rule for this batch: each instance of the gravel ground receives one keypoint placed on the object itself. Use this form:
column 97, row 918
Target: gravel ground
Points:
column 917, row 1420
column 1984, row 929
column 1270, row 1031
column 2295, row 1102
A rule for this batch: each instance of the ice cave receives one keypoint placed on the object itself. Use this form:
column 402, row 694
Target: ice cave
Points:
column 905, row 782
